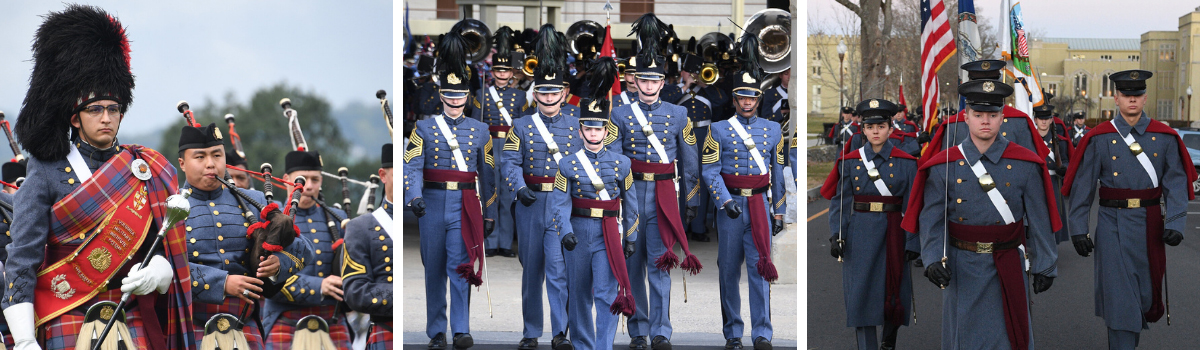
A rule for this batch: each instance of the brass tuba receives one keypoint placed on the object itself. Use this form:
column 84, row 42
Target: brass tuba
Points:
column 714, row 47
column 584, row 38
column 773, row 29
column 479, row 38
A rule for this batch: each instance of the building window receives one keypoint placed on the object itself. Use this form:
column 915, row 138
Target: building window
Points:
column 817, row 71
column 1106, row 84
column 1166, row 52
column 1053, row 88
column 816, row 105
column 1106, row 57
column 1166, row 110
column 1107, row 114
column 1081, row 81
column 1135, row 58
column 632, row 9
column 817, row 57
column 447, row 9
column 1166, row 79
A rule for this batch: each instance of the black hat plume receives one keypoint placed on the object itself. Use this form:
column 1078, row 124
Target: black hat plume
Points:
column 80, row 55
column 550, row 50
column 503, row 41
column 452, row 53
column 599, row 79
column 747, row 55
column 650, row 31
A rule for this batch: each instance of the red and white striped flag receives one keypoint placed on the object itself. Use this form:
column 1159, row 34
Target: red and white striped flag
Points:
column 937, row 47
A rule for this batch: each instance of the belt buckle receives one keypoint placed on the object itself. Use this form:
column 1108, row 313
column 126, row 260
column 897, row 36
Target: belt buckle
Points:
column 647, row 176
column 501, row 134
column 983, row 247
column 452, row 186
column 596, row 212
column 876, row 206
column 747, row 192
column 1134, row 203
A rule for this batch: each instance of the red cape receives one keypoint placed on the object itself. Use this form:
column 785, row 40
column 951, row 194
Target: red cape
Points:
column 935, row 143
column 916, row 199
column 1107, row 127
column 829, row 189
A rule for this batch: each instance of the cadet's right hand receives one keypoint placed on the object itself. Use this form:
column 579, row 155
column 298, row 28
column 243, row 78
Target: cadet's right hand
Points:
column 630, row 248
column 835, row 248
column 1083, row 245
column 732, row 209
column 569, row 241
column 923, row 137
column 332, row 286
column 938, row 274
column 525, row 195
column 418, row 206
column 236, row 285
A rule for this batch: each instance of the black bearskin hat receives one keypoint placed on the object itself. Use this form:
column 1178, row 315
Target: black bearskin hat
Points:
column 80, row 55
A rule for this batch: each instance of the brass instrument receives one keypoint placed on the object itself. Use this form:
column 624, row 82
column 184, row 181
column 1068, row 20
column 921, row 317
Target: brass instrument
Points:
column 715, row 47
column 621, row 70
column 709, row 74
column 529, row 65
column 584, row 38
column 478, row 37
column 773, row 29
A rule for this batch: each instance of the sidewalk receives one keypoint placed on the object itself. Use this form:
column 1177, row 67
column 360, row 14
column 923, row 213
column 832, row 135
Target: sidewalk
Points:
column 696, row 321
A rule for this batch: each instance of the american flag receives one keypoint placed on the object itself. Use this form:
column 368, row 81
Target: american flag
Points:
column 937, row 47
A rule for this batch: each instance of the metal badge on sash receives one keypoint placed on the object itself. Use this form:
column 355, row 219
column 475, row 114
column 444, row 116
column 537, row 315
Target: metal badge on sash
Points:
column 873, row 173
column 758, row 159
column 547, row 137
column 500, row 105
column 649, row 132
column 140, row 169
column 989, row 186
column 1136, row 149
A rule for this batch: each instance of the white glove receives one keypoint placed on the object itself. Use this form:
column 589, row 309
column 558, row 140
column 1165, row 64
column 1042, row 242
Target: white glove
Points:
column 156, row 276
column 20, row 324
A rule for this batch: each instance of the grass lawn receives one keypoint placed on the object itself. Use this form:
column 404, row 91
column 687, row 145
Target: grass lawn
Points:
column 816, row 124
column 817, row 172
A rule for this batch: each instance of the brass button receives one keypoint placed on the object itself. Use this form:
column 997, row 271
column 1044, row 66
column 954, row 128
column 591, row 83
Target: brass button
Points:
column 380, row 236
column 193, row 240
column 387, row 259
column 1114, row 173
column 1010, row 167
column 320, row 274
column 310, row 220
column 189, row 229
column 71, row 181
column 959, row 180
column 216, row 212
column 220, row 238
column 194, row 284
column 211, row 204
column 377, row 227
column 385, row 248
column 313, row 230
column 195, row 253
column 206, row 286
column 389, row 268
column 318, row 263
column 67, row 169
column 389, row 278
column 219, row 225
column 222, row 251
column 316, row 240
column 318, row 251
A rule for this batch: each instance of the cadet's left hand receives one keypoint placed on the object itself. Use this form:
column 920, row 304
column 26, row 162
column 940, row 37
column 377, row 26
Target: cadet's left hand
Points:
column 1172, row 237
column 268, row 267
column 911, row 255
column 569, row 241
column 777, row 225
column 630, row 248
column 489, row 225
column 1041, row 283
column 688, row 215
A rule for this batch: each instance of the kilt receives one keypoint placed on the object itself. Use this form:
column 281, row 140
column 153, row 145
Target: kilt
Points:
column 63, row 331
column 233, row 306
column 380, row 338
column 279, row 337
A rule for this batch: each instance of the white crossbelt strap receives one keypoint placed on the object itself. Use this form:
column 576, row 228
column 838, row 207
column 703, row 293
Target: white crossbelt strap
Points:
column 529, row 96
column 500, row 105
column 846, row 129
column 385, row 221
column 1052, row 172
column 649, row 132
column 1141, row 157
column 758, row 159
column 1079, row 133
column 452, row 140
column 694, row 92
column 879, row 185
column 591, row 173
column 81, row 168
column 994, row 193
column 783, row 96
column 624, row 98
column 546, row 136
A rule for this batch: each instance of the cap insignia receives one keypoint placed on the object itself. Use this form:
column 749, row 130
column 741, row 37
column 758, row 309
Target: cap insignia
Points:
column 989, row 86
column 746, row 78
column 986, row 65
column 1133, row 75
column 874, row 103
column 217, row 133
column 453, row 79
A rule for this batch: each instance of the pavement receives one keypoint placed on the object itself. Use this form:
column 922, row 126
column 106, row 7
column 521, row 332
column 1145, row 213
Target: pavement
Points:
column 1063, row 317
column 695, row 309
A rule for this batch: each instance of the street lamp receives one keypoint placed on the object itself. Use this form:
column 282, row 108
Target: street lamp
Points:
column 841, row 50
column 1189, row 112
column 887, row 74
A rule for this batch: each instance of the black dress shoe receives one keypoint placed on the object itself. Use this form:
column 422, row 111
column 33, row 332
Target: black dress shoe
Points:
column 637, row 343
column 527, row 344
column 762, row 343
column 463, row 341
column 700, row 237
column 489, row 252
column 438, row 342
column 660, row 343
column 508, row 253
column 560, row 342
column 733, row 344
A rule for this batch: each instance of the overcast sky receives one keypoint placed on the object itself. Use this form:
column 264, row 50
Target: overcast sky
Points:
column 1118, row 19
column 197, row 49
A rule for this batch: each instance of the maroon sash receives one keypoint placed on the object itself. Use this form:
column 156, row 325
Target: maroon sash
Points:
column 1155, row 250
column 670, row 226
column 760, row 230
column 1009, row 269
column 472, row 222
column 616, row 253
column 893, row 308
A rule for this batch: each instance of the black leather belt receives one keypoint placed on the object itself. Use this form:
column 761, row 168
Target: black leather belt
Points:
column 876, row 207
column 747, row 192
column 653, row 176
column 982, row 247
column 594, row 212
column 450, row 185
column 1130, row 203
column 546, row 187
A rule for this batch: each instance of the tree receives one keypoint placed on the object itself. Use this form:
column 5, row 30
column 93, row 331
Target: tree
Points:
column 874, row 36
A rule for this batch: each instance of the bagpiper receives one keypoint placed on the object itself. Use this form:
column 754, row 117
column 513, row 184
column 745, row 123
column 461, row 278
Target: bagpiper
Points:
column 240, row 178
column 868, row 192
column 448, row 168
column 501, row 106
column 81, row 177
column 973, row 205
column 1137, row 174
column 656, row 136
column 743, row 162
column 367, row 266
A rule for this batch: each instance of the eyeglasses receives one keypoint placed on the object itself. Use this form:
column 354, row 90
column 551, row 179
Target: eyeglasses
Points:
column 114, row 109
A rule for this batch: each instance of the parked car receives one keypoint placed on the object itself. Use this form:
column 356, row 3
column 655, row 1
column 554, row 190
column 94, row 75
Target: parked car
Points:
column 1191, row 139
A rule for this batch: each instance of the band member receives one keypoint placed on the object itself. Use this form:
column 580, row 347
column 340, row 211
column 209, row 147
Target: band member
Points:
column 738, row 181
column 629, row 93
column 775, row 102
column 593, row 193
column 1059, row 158
column 973, row 203
column 79, row 90
column 501, row 105
column 1139, row 163
column 699, row 100
column 316, row 288
column 530, row 161
column 367, row 267
column 1017, row 126
column 868, row 192
column 656, row 135
column 445, row 157
column 428, row 102
column 240, row 178
column 1079, row 128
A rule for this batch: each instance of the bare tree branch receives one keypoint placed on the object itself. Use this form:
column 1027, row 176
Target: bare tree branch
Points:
column 851, row 6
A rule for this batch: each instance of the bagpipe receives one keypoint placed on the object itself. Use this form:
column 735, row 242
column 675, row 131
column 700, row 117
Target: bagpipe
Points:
column 17, row 156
